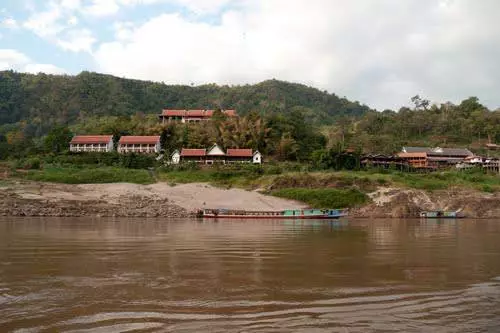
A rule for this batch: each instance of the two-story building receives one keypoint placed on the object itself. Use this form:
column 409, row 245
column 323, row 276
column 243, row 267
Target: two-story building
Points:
column 139, row 144
column 424, row 157
column 92, row 143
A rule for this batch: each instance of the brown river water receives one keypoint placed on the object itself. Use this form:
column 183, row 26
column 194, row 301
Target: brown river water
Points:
column 138, row 275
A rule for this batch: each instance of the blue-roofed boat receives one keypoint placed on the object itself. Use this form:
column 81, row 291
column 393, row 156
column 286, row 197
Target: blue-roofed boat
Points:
column 282, row 214
column 440, row 214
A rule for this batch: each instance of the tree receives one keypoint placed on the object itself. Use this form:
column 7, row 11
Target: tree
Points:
column 420, row 103
column 58, row 139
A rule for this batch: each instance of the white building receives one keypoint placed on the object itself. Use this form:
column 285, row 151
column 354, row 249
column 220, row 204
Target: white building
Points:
column 92, row 143
column 257, row 157
column 139, row 144
column 176, row 157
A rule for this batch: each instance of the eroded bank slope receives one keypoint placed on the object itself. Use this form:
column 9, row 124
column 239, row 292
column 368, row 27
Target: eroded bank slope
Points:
column 401, row 203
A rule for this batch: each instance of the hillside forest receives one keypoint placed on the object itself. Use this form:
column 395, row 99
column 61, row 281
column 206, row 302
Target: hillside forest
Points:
column 285, row 121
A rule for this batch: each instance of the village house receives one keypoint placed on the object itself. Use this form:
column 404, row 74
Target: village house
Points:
column 188, row 116
column 243, row 156
column 215, row 154
column 381, row 161
column 92, row 143
column 433, row 158
column 139, row 144
column 191, row 155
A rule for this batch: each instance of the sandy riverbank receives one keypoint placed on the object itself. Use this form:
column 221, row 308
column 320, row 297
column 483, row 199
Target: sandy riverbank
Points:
column 25, row 198
column 19, row 198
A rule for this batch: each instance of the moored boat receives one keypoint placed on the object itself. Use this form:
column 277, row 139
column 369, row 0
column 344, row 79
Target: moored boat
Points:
column 283, row 214
column 439, row 214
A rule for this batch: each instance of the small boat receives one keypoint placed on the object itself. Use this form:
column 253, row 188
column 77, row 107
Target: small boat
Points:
column 283, row 214
column 439, row 214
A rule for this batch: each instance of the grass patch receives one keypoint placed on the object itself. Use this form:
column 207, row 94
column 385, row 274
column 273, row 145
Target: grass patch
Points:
column 89, row 175
column 365, row 181
column 324, row 197
column 219, row 177
column 184, row 177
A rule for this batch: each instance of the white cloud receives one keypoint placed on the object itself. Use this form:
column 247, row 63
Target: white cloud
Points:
column 46, row 23
column 13, row 59
column 9, row 23
column 380, row 52
column 123, row 30
column 43, row 68
column 203, row 6
column 71, row 4
column 72, row 21
column 77, row 41
column 58, row 24
column 102, row 8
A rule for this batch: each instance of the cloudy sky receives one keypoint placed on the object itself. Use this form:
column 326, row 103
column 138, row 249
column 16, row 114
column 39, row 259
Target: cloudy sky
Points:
column 380, row 52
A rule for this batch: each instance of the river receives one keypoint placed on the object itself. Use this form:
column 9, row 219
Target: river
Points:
column 138, row 275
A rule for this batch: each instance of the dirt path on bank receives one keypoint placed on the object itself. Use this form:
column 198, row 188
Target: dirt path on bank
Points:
column 124, row 199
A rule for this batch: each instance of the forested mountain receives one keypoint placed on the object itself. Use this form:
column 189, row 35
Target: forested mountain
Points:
column 46, row 100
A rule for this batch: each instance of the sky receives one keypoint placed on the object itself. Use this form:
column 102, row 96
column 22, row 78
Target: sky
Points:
column 378, row 52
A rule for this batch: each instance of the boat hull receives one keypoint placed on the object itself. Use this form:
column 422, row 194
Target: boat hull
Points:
column 270, row 217
column 289, row 214
column 441, row 215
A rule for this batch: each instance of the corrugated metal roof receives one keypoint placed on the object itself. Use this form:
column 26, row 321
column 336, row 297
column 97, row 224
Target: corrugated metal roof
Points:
column 451, row 152
column 438, row 151
column 416, row 149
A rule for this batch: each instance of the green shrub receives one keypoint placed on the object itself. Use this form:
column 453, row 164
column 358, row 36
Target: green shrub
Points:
column 488, row 189
column 132, row 161
column 90, row 175
column 32, row 163
column 273, row 170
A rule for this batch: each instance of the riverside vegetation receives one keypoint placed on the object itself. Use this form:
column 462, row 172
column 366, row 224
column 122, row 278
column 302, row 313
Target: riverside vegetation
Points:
column 298, row 181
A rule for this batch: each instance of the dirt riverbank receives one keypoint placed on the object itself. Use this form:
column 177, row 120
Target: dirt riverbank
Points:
column 24, row 198
column 21, row 198
column 403, row 203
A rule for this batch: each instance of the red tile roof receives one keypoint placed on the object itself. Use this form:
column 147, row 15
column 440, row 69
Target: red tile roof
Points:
column 151, row 140
column 174, row 113
column 91, row 139
column 240, row 152
column 193, row 152
column 195, row 113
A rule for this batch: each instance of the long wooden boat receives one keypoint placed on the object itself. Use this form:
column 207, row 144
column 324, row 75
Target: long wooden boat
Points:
column 283, row 214
column 439, row 214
